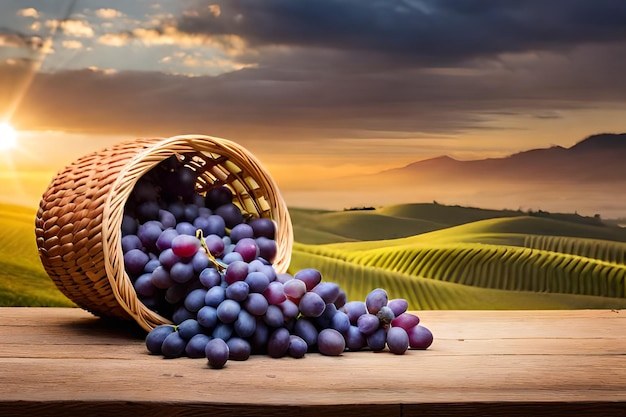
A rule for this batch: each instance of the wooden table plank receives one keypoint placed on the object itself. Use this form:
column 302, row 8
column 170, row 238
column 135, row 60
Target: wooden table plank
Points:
column 56, row 361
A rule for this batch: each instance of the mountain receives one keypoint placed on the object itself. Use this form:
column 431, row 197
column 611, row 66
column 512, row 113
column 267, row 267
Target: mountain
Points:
column 598, row 158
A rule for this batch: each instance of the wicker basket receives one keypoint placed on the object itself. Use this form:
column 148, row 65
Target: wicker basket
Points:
column 78, row 224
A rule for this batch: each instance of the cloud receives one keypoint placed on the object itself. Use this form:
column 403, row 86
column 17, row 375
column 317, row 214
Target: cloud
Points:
column 28, row 12
column 108, row 13
column 73, row 27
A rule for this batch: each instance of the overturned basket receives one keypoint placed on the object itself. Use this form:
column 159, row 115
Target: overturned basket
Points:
column 78, row 224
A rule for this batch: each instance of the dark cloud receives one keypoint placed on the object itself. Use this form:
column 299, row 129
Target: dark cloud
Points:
column 425, row 31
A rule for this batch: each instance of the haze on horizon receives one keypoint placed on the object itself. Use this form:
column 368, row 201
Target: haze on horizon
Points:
column 317, row 90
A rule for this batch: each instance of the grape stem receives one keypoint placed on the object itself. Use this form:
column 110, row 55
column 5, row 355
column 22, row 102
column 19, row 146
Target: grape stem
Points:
column 220, row 266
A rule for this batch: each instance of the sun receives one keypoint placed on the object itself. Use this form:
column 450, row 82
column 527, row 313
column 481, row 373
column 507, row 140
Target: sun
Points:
column 8, row 136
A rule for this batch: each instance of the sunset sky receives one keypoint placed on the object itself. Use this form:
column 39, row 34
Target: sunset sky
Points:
column 315, row 88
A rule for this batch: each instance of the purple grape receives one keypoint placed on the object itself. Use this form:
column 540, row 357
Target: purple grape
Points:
column 263, row 227
column 289, row 308
column 195, row 300
column 368, row 324
column 230, row 213
column 182, row 272
column 145, row 190
column 215, row 226
column 310, row 276
column 181, row 314
column 355, row 340
column 312, row 305
column 149, row 232
column 218, row 196
column 340, row 322
column 377, row 340
column 341, row 300
column 269, row 271
column 304, row 328
column 406, row 321
column 129, row 225
column 190, row 213
column 247, row 248
column 144, row 287
column 236, row 271
column 222, row 331
column 294, row 289
column 176, row 293
column 238, row 291
column 151, row 265
column 398, row 306
column 329, row 291
column 202, row 211
column 285, row 277
column 214, row 296
column 240, row 231
column 131, row 242
column 217, row 353
column 185, row 246
column 164, row 241
column 397, row 340
column 420, row 337
column 385, row 315
column 268, row 248
column 210, row 277
column 297, row 347
column 228, row 310
column 354, row 310
column 168, row 258
column 257, row 281
column 278, row 343
column 258, row 341
column 173, row 346
column 177, row 209
column 200, row 261
column 189, row 328
column 167, row 219
column 274, row 316
column 245, row 325
column 155, row 338
column 207, row 317
column 239, row 349
column 375, row 300
column 196, row 346
column 202, row 223
column 256, row 304
column 231, row 257
column 330, row 342
column 215, row 244
column 325, row 319
column 186, row 228
column 161, row 278
column 275, row 293
column 135, row 260
column 147, row 210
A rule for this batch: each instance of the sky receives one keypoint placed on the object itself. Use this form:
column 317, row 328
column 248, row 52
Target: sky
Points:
column 316, row 89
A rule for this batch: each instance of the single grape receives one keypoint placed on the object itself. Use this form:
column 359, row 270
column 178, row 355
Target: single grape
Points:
column 152, row 264
column 230, row 213
column 129, row 225
column 181, row 314
column 200, row 261
column 236, row 271
column 304, row 328
column 275, row 293
column 341, row 300
column 144, row 287
column 228, row 310
column 329, row 291
column 186, row 228
column 203, row 223
column 131, row 242
column 377, row 340
column 274, row 316
column 256, row 304
column 406, row 321
column 259, row 339
column 325, row 319
column 238, row 291
column 214, row 296
column 173, row 345
column 147, row 210
column 267, row 248
column 194, row 301
column 176, row 293
column 231, row 257
column 196, row 346
column 330, row 342
column 215, row 226
column 297, row 347
column 218, row 196
column 398, row 306
column 182, row 272
column 149, row 232
column 245, row 325
column 189, row 328
column 247, row 248
column 294, row 289
column 167, row 219
column 191, row 213
column 340, row 322
column 278, row 343
column 210, row 277
column 155, row 338
column 168, row 258
column 397, row 340
column 420, row 337
column 354, row 310
column 355, row 340
column 239, row 349
column 263, row 227
column 207, row 317
column 290, row 309
column 312, row 305
column 135, row 260
column 240, row 231
column 185, row 245
column 368, row 324
column 222, row 331
column 177, row 209
column 310, row 276
column 375, row 300
column 217, row 353
column 257, row 281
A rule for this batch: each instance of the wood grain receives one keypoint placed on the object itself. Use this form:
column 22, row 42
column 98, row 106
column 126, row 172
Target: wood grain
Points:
column 56, row 361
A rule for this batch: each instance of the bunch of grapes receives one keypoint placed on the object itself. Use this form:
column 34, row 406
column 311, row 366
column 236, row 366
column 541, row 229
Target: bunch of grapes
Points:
column 200, row 261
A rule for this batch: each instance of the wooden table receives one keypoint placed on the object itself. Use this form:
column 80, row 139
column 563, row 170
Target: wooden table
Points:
column 56, row 361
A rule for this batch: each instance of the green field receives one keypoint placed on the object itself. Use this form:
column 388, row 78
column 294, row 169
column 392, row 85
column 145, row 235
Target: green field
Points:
column 437, row 257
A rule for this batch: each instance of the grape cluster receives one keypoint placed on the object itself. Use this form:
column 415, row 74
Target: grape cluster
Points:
column 198, row 260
